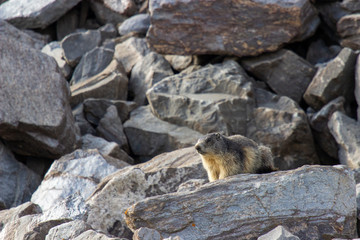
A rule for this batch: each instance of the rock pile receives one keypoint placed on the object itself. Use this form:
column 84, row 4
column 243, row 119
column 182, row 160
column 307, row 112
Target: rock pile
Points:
column 101, row 103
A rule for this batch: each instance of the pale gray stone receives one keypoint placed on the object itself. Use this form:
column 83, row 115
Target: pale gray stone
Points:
column 145, row 233
column 139, row 23
column 93, row 235
column 55, row 50
column 109, row 11
column 178, row 62
column 278, row 233
column 67, row 230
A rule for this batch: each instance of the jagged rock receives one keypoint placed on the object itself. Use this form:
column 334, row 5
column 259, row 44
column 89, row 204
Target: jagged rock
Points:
column 75, row 45
column 111, row 83
column 131, row 51
column 95, row 109
column 106, row 148
column 251, row 205
column 357, row 85
column 145, row 233
column 319, row 124
column 318, row 52
column 179, row 62
column 286, row 73
column 149, row 136
column 12, row 214
column 111, row 128
column 79, row 116
column 17, row 182
column 333, row 80
column 346, row 132
column 91, row 64
column 7, row 30
column 214, row 98
column 93, row 235
column 348, row 29
column 147, row 72
column 191, row 185
column 108, row 31
column 35, row 115
column 139, row 23
column 282, row 125
column 278, row 233
column 202, row 27
column 108, row 11
column 351, row 5
column 55, row 50
column 69, row 230
column 39, row 14
column 78, row 172
column 163, row 174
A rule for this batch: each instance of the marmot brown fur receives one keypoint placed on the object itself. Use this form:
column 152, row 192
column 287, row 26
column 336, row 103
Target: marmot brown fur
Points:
column 226, row 156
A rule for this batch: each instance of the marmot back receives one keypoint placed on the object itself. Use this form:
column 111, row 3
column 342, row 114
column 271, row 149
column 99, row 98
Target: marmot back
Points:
column 226, row 156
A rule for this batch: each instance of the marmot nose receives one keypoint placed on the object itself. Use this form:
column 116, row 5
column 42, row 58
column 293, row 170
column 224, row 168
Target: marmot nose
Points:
column 198, row 148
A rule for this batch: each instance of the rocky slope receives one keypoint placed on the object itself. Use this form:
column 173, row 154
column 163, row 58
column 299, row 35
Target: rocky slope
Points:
column 102, row 101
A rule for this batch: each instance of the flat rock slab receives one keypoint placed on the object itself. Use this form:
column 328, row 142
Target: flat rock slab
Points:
column 242, row 28
column 301, row 200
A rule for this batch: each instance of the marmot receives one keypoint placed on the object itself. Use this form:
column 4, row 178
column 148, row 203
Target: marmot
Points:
column 225, row 156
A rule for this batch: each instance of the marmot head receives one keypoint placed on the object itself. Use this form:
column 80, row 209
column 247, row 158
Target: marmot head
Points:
column 213, row 143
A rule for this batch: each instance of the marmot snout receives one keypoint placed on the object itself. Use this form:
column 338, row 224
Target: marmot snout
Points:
column 226, row 156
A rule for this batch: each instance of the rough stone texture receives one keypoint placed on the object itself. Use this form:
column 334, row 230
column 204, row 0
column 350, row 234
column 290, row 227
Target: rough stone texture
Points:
column 286, row 73
column 278, row 233
column 12, row 214
column 131, row 51
column 108, row 31
column 92, row 63
column 75, row 45
column 333, row 80
column 69, row 230
column 78, row 172
column 189, row 27
column 95, row 109
column 319, row 124
column 139, row 23
column 93, row 235
column 109, row 11
column 319, row 52
column 282, row 125
column 147, row 72
column 302, row 200
column 111, row 83
column 79, row 116
column 179, row 62
column 55, row 50
column 145, row 233
column 351, row 5
column 163, row 174
column 35, row 115
column 357, row 85
column 346, row 132
column 214, row 98
column 105, row 148
column 149, row 136
column 111, row 128
column 348, row 28
column 17, row 182
column 39, row 14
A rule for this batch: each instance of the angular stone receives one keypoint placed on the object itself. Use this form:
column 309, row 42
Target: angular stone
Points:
column 283, row 126
column 214, row 98
column 130, row 52
column 163, row 174
column 17, row 182
column 348, row 28
column 111, row 83
column 357, row 85
column 91, row 64
column 78, row 172
column 111, row 128
column 95, row 109
column 149, row 136
column 77, row 44
column 84, row 126
column 310, row 209
column 67, row 230
column 146, row 73
column 286, row 73
column 179, row 62
column 108, row 11
column 55, row 50
column 93, row 235
column 34, row 123
column 106, row 148
column 202, row 27
column 139, row 23
column 346, row 132
column 145, row 233
column 333, row 80
column 39, row 14
column 319, row 124
column 278, row 233
column 351, row 5
column 108, row 31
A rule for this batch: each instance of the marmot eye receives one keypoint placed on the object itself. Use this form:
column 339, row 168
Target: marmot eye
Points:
column 207, row 140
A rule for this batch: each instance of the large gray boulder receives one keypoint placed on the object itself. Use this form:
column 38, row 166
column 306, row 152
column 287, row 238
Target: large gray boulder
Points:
column 348, row 28
column 286, row 73
column 139, row 23
column 38, row 14
column 213, row 98
column 301, row 200
column 109, row 11
column 35, row 115
column 202, row 27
